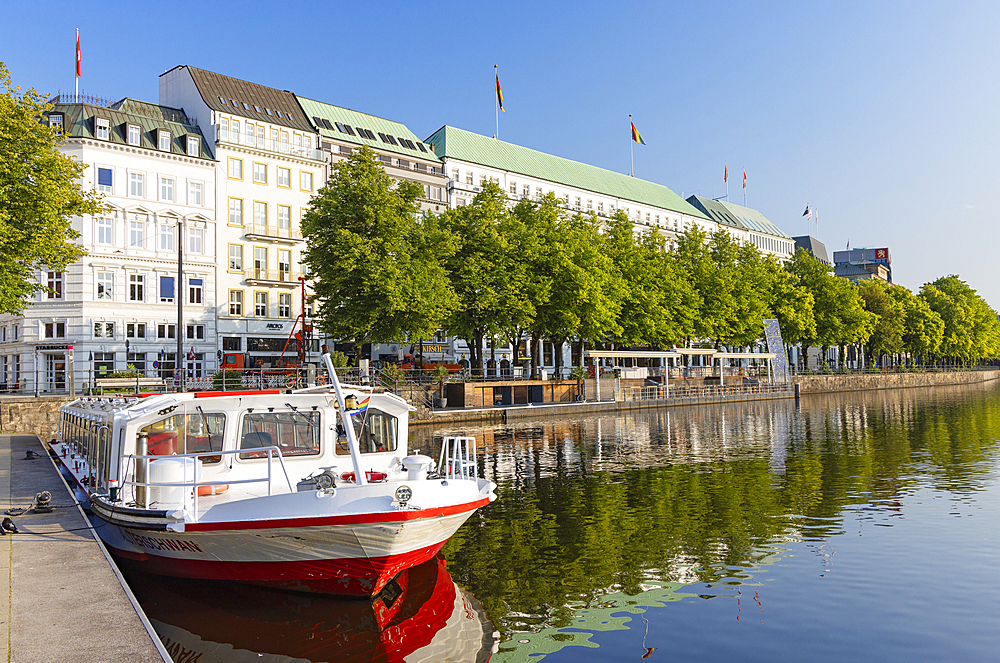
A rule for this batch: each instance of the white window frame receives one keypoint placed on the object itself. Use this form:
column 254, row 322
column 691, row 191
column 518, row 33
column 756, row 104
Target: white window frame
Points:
column 196, row 193
column 104, row 230
column 196, row 239
column 166, row 189
column 134, row 133
column 236, row 258
column 136, row 234
column 193, row 146
column 102, row 128
column 137, row 185
column 163, row 140
column 105, row 286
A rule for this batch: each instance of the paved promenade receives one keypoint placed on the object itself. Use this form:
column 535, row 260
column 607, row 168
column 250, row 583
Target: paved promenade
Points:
column 65, row 601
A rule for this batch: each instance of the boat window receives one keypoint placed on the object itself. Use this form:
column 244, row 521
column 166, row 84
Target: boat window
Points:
column 187, row 434
column 376, row 431
column 295, row 433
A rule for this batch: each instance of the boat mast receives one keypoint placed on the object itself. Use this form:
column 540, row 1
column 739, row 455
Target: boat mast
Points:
column 345, row 418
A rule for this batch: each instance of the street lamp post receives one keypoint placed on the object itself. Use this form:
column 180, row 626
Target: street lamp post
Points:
column 179, row 357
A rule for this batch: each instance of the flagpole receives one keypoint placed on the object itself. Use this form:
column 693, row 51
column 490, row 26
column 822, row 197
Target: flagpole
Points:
column 77, row 97
column 496, row 77
column 631, row 156
column 727, row 181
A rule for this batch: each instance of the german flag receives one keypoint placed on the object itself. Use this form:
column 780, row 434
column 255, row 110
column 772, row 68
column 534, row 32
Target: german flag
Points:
column 499, row 93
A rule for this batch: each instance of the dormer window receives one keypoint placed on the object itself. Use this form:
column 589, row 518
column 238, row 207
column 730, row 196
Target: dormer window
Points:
column 56, row 121
column 133, row 134
column 163, row 140
column 102, row 128
column 193, row 146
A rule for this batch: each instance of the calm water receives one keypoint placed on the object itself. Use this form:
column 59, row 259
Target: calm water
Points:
column 857, row 527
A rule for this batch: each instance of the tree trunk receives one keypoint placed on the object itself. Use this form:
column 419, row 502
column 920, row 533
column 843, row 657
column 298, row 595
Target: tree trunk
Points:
column 479, row 352
column 535, row 341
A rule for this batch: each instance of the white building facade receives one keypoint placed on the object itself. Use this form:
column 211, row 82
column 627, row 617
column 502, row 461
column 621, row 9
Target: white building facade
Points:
column 117, row 307
column 269, row 168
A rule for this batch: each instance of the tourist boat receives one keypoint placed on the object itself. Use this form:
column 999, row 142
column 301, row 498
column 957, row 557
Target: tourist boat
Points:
column 310, row 489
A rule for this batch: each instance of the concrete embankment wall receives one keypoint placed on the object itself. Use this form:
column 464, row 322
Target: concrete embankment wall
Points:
column 824, row 384
column 40, row 416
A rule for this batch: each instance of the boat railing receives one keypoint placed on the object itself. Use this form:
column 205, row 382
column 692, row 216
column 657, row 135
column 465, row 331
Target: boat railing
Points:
column 143, row 460
column 458, row 458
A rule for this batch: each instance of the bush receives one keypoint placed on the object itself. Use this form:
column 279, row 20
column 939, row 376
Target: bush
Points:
column 223, row 380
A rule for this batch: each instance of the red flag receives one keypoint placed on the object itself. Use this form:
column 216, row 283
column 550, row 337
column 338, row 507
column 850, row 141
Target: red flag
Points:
column 78, row 52
column 744, row 178
column 725, row 178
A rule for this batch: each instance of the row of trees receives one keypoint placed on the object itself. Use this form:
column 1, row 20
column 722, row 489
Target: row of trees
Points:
column 386, row 273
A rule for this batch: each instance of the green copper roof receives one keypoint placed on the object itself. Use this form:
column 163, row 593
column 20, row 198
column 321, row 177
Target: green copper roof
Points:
column 715, row 210
column 79, row 121
column 449, row 142
column 318, row 110
column 754, row 220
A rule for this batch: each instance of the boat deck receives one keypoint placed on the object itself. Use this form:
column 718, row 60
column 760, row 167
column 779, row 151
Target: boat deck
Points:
column 63, row 589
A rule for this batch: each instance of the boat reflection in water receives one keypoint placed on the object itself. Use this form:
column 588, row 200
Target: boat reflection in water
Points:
column 421, row 615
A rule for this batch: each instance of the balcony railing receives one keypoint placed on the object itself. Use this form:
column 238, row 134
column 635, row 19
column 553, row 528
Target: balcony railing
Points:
column 272, row 275
column 279, row 147
column 271, row 230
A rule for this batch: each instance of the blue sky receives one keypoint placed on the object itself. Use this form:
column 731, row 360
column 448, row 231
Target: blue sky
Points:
column 880, row 115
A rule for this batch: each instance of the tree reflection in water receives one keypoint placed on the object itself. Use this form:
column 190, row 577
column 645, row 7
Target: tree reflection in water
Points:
column 605, row 513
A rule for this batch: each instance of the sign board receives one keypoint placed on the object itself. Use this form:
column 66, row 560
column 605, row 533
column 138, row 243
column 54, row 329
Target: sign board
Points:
column 772, row 332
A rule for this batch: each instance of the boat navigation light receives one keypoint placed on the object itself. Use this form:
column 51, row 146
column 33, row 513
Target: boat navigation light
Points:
column 403, row 495
column 351, row 402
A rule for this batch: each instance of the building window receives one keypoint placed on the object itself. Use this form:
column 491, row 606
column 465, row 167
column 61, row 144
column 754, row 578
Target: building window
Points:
column 193, row 146
column 137, row 360
column 235, row 169
column 260, row 304
column 468, row 177
column 236, row 257
column 600, row 206
column 165, row 331
column 135, row 330
column 194, row 194
column 196, row 332
column 105, row 180
column 163, row 139
column 104, row 330
column 102, row 129
column 285, row 177
column 260, row 215
column 284, row 265
column 306, row 181
column 166, row 238
column 136, row 232
column 55, row 285
column 260, row 173
column 260, row 136
column 105, row 285
column 196, row 240
column 232, row 344
column 235, row 212
column 538, row 192
column 167, row 189
column 137, row 185
column 195, row 291
column 56, row 122
column 284, row 220
column 513, row 187
column 260, row 261
column 103, row 228
column 133, row 134
column 166, row 289
column 284, row 305
column 55, row 330
column 235, row 302
column 136, row 283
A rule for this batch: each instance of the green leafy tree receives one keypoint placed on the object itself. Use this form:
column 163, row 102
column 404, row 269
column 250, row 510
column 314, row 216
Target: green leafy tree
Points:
column 377, row 262
column 39, row 194
column 656, row 304
column 887, row 332
column 971, row 331
column 489, row 271
column 582, row 301
column 838, row 308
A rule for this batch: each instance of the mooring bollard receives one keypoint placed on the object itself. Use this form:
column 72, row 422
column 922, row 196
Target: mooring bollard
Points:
column 798, row 390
